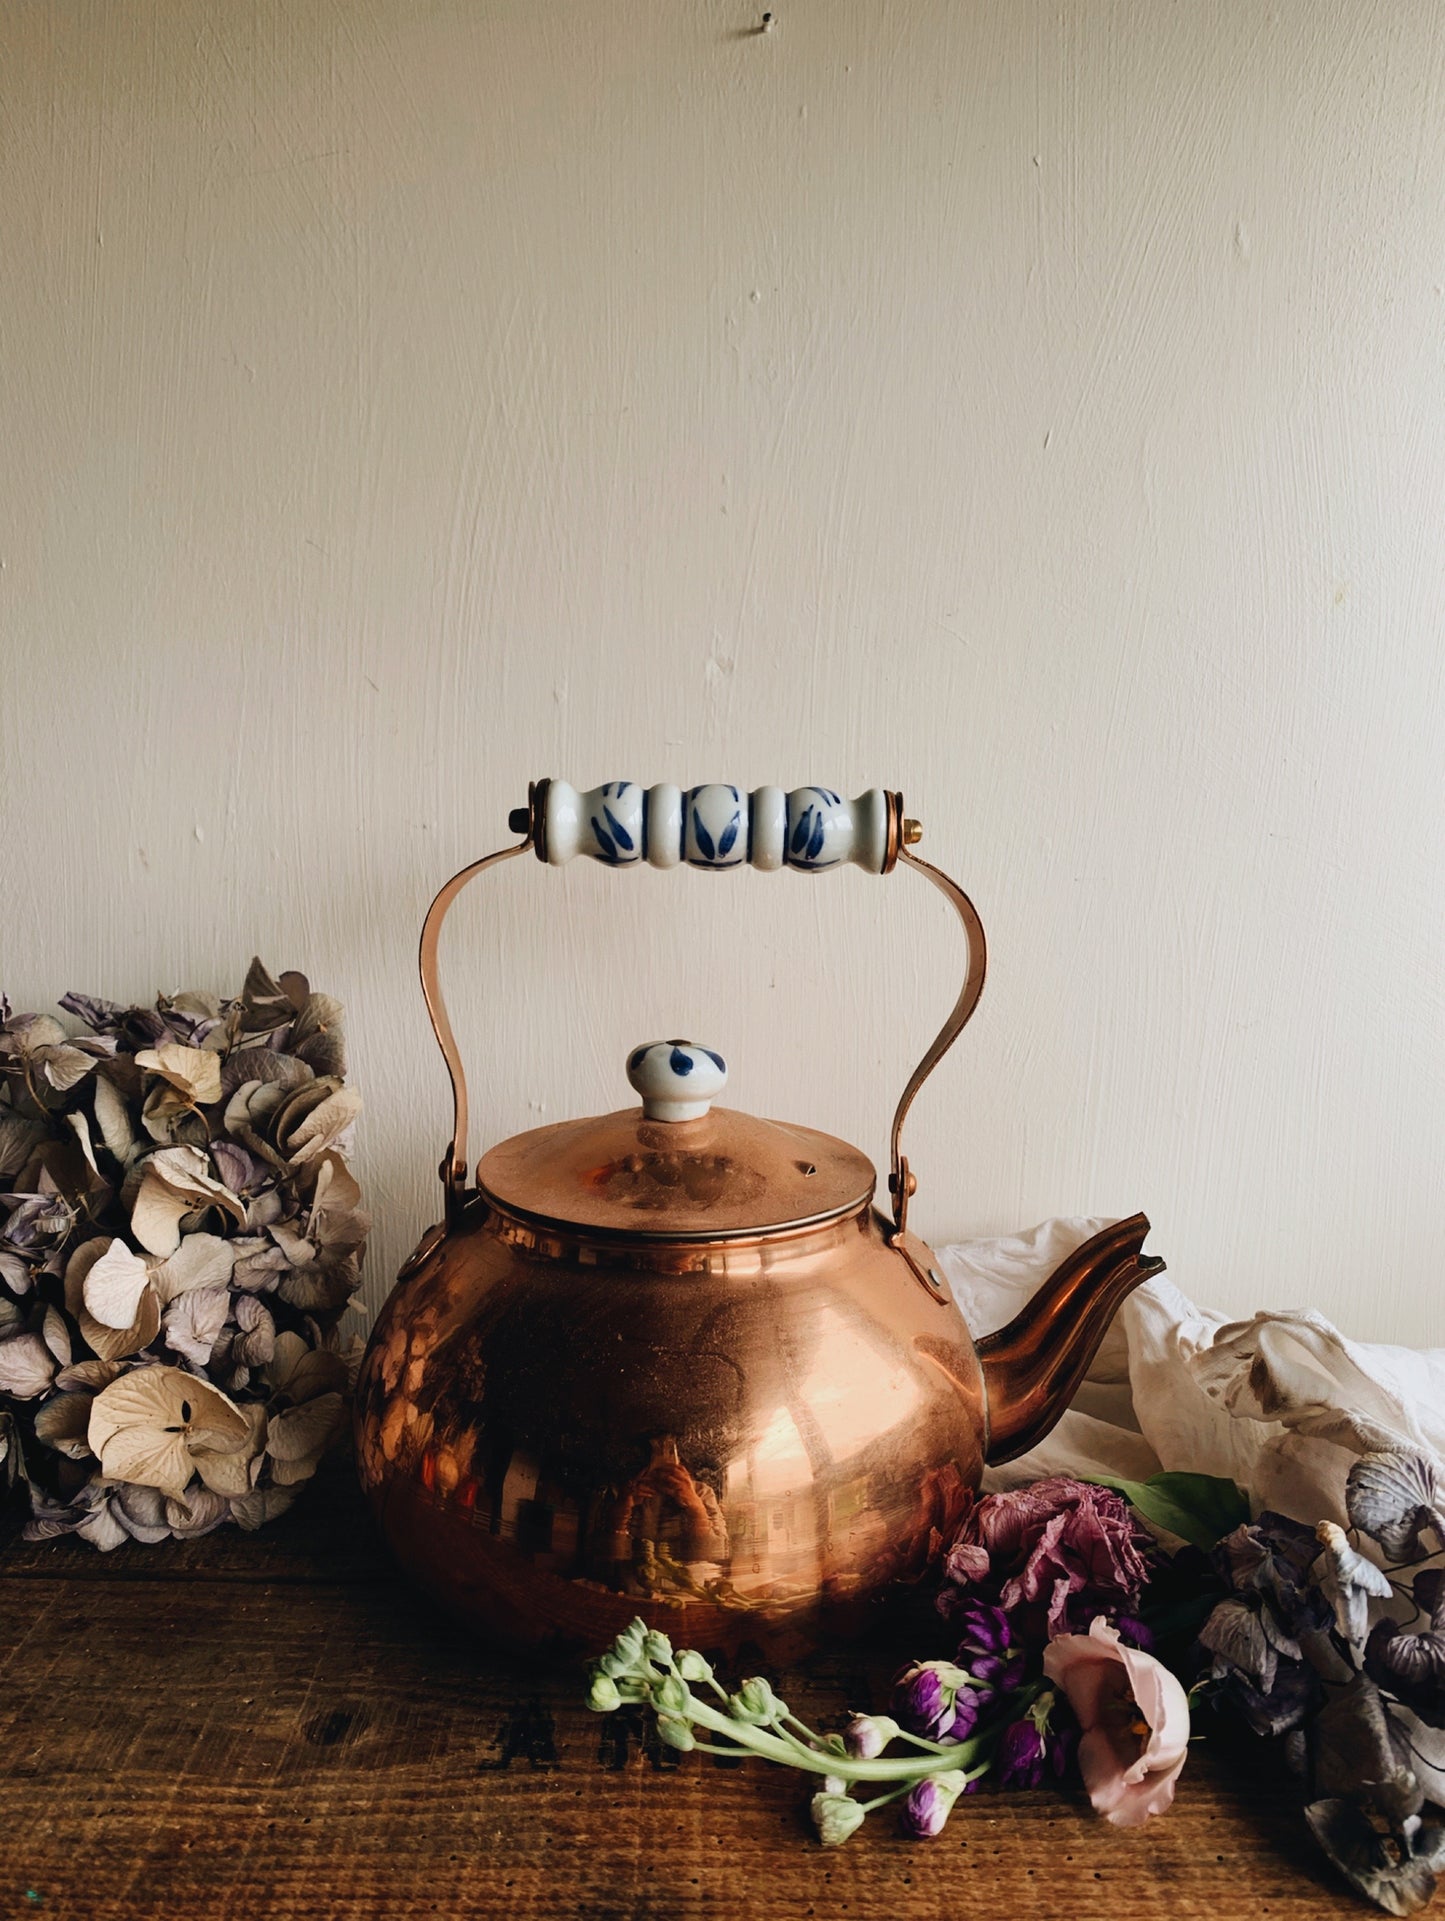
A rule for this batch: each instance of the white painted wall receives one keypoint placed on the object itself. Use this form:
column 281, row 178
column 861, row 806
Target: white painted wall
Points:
column 1036, row 407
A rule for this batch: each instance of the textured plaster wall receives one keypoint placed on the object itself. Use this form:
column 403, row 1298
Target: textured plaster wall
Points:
column 1035, row 407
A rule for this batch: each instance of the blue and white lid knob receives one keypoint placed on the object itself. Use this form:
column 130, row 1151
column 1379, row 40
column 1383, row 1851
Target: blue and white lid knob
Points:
column 678, row 1080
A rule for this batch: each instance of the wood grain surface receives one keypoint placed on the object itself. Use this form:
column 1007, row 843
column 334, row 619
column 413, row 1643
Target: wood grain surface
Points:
column 273, row 1726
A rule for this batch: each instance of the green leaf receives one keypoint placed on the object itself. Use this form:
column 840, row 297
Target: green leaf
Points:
column 1200, row 1508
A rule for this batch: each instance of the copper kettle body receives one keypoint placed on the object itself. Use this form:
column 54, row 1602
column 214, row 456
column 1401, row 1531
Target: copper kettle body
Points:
column 673, row 1361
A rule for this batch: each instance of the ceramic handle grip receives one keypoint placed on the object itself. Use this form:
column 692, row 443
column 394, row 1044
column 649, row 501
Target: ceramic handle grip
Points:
column 718, row 826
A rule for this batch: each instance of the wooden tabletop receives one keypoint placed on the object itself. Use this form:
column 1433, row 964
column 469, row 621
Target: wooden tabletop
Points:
column 273, row 1726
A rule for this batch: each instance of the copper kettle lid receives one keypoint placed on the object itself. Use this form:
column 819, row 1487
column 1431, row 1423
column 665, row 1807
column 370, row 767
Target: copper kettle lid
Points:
column 677, row 1168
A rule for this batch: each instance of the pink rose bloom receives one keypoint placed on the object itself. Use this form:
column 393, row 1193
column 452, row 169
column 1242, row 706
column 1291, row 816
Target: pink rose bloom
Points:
column 1134, row 1718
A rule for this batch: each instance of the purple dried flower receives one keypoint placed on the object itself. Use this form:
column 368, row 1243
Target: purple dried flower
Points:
column 921, row 1702
column 966, row 1561
column 982, row 1628
column 1063, row 1746
column 1135, row 1633
column 1053, row 1555
column 967, row 1703
column 935, row 1698
column 926, row 1809
column 1021, row 1755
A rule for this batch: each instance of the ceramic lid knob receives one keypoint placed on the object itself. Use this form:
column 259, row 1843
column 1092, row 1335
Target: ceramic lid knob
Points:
column 678, row 1080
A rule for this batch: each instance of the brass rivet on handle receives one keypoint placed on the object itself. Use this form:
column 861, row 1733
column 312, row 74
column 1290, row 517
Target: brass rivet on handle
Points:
column 912, row 832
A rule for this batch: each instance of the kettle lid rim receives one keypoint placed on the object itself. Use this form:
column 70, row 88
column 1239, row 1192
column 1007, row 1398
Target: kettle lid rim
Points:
column 725, row 1176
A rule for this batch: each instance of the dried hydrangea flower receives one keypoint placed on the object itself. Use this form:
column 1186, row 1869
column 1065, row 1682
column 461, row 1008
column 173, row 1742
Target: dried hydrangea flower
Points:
column 1348, row 1582
column 1411, row 1666
column 1394, row 1496
column 174, row 1196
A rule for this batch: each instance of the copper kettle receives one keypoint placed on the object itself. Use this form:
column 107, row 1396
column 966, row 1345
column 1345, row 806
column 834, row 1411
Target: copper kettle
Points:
column 672, row 1361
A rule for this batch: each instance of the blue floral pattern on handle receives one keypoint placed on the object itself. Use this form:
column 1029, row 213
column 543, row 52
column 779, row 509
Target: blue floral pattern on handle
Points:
column 812, row 814
column 714, row 822
column 718, row 826
column 618, row 843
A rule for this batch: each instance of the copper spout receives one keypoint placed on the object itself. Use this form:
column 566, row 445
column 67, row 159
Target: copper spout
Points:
column 1032, row 1367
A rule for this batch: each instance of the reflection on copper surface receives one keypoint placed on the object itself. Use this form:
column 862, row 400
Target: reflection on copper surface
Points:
column 745, row 1444
column 857, row 1390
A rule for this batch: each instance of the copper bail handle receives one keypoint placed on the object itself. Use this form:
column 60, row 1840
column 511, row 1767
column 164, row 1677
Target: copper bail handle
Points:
column 714, row 827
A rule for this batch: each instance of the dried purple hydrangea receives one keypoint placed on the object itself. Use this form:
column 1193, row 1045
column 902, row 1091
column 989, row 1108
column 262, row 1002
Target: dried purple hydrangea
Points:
column 180, row 1235
column 1310, row 1646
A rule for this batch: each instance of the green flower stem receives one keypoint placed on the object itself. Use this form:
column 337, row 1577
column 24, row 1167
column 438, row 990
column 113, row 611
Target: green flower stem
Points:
column 882, row 1800
column 920, row 1741
column 792, row 1753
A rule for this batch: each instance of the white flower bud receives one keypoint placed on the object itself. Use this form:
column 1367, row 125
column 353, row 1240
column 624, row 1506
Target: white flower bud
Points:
column 836, row 1817
column 602, row 1696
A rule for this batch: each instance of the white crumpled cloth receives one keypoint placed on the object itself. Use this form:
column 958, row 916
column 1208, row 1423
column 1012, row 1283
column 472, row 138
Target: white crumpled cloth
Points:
column 1281, row 1403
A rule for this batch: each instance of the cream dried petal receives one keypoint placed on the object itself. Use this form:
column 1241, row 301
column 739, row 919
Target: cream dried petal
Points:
column 264, row 1504
column 56, row 1335
column 296, row 1473
column 323, row 1126
column 193, row 1323
column 297, row 1249
column 174, row 1182
column 81, row 1127
column 116, row 1344
column 238, row 1108
column 102, row 1528
column 194, row 1071
column 77, row 1270
column 300, row 1101
column 191, row 1000
column 114, row 1285
column 201, row 1260
column 112, row 1117
column 14, row 1272
column 62, row 1424
column 236, row 1471
column 195, row 1512
column 154, row 1456
column 27, row 1367
column 255, row 1340
column 305, row 1430
column 156, row 1217
column 35, row 1031
column 93, row 1375
column 165, row 1400
column 291, row 1350
column 228, row 1474
column 64, row 1067
column 318, row 1372
column 337, row 1189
